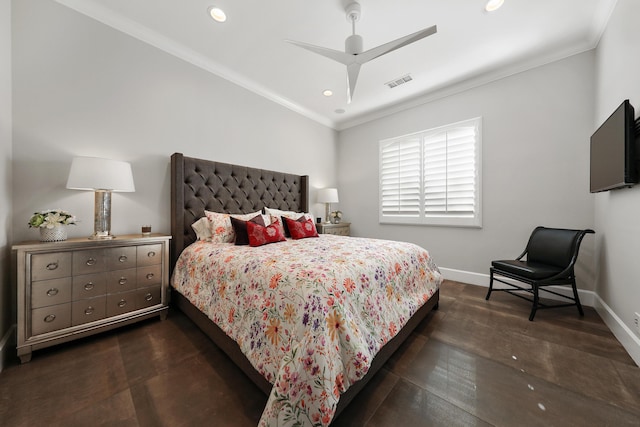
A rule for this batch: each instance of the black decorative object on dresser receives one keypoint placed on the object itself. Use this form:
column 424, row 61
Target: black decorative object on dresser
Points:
column 79, row 287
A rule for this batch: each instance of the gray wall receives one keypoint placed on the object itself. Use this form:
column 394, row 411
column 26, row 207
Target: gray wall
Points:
column 6, row 305
column 535, row 139
column 617, row 213
column 84, row 89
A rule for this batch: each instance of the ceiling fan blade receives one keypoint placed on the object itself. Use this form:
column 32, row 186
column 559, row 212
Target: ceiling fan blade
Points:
column 352, row 77
column 336, row 55
column 375, row 52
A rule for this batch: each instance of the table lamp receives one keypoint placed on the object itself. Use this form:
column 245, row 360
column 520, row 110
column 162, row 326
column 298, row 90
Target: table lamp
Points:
column 103, row 176
column 327, row 196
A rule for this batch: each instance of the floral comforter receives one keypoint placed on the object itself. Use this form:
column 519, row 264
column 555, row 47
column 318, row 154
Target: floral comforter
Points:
column 309, row 314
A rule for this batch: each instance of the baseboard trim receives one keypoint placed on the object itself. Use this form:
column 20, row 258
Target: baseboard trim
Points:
column 622, row 332
column 7, row 345
column 481, row 279
column 627, row 338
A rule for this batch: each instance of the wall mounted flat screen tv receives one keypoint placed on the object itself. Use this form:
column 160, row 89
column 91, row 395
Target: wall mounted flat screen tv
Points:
column 613, row 151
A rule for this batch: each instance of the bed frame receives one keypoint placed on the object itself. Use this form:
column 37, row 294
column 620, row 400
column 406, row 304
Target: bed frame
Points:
column 198, row 185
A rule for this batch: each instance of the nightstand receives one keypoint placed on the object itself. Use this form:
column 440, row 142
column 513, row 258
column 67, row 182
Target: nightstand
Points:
column 79, row 287
column 340, row 229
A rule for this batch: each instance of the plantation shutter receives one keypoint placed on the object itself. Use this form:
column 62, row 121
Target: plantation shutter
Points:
column 450, row 172
column 433, row 177
column 400, row 178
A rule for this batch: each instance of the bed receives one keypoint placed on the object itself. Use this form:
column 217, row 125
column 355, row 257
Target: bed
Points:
column 304, row 320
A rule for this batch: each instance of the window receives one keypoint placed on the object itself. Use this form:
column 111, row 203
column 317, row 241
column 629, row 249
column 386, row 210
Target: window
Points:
column 432, row 177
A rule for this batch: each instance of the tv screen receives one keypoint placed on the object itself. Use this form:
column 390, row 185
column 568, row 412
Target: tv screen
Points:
column 613, row 151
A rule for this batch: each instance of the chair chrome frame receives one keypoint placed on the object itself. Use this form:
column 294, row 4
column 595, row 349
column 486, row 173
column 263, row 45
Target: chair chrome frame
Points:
column 565, row 277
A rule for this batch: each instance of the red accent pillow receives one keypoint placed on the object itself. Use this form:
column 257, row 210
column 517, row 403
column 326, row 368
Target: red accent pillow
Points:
column 259, row 235
column 301, row 228
column 240, row 228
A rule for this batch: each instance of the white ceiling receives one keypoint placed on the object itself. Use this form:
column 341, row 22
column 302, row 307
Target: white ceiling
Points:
column 471, row 46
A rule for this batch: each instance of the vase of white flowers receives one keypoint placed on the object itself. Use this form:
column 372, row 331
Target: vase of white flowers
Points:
column 52, row 224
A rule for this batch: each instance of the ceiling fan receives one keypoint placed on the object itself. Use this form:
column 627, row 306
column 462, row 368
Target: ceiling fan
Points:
column 353, row 56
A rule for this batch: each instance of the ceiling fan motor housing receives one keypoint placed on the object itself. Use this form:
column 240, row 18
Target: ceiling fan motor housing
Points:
column 353, row 44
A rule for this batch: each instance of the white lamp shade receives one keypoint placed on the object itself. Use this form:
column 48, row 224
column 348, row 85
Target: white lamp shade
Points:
column 93, row 173
column 328, row 195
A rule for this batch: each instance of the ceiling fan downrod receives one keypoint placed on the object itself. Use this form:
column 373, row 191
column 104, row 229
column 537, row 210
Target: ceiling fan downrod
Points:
column 353, row 44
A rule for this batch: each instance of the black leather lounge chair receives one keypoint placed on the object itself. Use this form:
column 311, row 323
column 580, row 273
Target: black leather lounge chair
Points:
column 551, row 255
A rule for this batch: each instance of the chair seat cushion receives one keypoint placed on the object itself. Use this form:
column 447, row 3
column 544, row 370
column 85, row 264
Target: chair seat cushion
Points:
column 530, row 270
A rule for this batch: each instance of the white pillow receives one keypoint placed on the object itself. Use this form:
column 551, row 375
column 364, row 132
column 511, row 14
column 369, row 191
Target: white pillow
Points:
column 247, row 217
column 278, row 213
column 202, row 228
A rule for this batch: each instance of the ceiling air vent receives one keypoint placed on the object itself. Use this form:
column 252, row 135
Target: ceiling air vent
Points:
column 399, row 81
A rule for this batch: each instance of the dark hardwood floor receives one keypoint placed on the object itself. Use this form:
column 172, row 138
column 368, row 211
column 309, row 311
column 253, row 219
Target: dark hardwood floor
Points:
column 472, row 362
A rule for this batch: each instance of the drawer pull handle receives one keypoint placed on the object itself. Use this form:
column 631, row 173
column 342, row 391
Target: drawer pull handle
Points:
column 52, row 292
column 52, row 265
column 148, row 296
column 122, row 281
column 91, row 261
column 123, row 258
column 122, row 303
column 89, row 310
column 88, row 286
column 151, row 254
column 149, row 276
column 50, row 318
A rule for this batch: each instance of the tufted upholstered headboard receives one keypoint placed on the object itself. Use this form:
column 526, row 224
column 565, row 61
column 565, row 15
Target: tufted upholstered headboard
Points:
column 198, row 185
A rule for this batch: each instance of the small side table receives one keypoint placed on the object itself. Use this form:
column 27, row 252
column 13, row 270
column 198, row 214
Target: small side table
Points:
column 340, row 229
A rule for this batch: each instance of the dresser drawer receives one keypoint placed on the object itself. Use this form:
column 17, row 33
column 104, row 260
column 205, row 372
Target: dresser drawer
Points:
column 89, row 286
column 88, row 310
column 148, row 276
column 338, row 231
column 50, row 266
column 149, row 254
column 147, row 297
column 88, row 262
column 121, row 280
column 50, row 292
column 47, row 319
column 121, row 303
column 121, row 258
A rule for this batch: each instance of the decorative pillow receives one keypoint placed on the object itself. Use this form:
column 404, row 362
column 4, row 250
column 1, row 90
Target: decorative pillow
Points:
column 202, row 229
column 240, row 228
column 301, row 228
column 285, row 214
column 220, row 225
column 279, row 223
column 296, row 217
column 259, row 235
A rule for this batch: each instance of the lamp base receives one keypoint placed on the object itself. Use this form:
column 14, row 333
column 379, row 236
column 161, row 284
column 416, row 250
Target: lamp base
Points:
column 102, row 237
column 327, row 210
column 102, row 217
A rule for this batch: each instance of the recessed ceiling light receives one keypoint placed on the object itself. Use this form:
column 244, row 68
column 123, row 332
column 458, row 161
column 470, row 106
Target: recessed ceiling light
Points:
column 493, row 5
column 327, row 92
column 217, row 14
column 340, row 111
